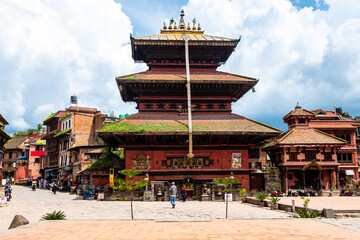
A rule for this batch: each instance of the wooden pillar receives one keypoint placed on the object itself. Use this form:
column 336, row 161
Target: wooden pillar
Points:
column 286, row 180
column 331, row 177
column 319, row 181
column 303, row 178
column 337, row 179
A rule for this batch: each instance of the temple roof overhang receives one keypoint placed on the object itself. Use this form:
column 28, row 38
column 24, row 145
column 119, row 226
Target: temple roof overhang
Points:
column 171, row 46
column 162, row 83
column 142, row 124
column 306, row 137
column 4, row 135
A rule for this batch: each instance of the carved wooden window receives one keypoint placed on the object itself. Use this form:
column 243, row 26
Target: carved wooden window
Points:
column 293, row 156
column 254, row 153
column 222, row 106
column 328, row 156
column 344, row 158
column 310, row 155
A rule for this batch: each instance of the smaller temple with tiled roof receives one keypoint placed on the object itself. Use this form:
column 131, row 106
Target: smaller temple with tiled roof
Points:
column 306, row 156
column 156, row 139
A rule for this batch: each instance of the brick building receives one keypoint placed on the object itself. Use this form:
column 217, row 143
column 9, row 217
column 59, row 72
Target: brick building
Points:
column 71, row 141
column 342, row 126
column 318, row 150
column 4, row 137
column 357, row 136
column 23, row 158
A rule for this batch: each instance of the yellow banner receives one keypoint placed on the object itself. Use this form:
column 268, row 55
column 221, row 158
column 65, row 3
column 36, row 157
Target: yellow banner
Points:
column 111, row 177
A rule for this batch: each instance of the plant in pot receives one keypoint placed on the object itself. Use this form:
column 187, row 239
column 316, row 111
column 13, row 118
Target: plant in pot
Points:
column 261, row 196
column 274, row 203
column 243, row 193
column 79, row 189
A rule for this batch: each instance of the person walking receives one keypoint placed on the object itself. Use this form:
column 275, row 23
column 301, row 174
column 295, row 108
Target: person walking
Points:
column 54, row 187
column 173, row 193
column 183, row 194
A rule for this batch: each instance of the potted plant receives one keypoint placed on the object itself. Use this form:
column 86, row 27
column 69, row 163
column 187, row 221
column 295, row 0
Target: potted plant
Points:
column 243, row 193
column 261, row 196
column 79, row 189
column 274, row 203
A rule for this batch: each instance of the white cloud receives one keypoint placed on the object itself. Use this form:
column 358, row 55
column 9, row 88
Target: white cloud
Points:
column 299, row 55
column 50, row 50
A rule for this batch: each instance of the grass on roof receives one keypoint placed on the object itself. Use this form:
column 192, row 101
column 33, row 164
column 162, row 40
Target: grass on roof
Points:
column 40, row 142
column 62, row 132
column 143, row 127
column 50, row 116
column 65, row 116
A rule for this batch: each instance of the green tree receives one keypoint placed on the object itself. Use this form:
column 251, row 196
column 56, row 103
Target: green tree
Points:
column 105, row 161
column 39, row 130
column 129, row 185
column 227, row 184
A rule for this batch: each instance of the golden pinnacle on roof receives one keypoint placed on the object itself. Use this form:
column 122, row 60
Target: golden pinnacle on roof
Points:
column 170, row 24
column 173, row 28
column 182, row 24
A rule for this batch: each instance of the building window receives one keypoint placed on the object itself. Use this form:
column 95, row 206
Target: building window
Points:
column 293, row 156
column 345, row 137
column 37, row 160
column 310, row 155
column 10, row 155
column 254, row 153
column 344, row 158
column 328, row 156
column 258, row 165
column 301, row 121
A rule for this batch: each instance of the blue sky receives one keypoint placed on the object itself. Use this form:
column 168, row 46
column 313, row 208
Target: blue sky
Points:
column 302, row 51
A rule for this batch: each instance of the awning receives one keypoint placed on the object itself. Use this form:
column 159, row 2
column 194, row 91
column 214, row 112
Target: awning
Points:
column 82, row 171
column 349, row 172
column 23, row 158
column 37, row 153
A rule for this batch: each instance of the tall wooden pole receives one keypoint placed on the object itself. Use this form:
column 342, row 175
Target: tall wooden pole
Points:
column 190, row 154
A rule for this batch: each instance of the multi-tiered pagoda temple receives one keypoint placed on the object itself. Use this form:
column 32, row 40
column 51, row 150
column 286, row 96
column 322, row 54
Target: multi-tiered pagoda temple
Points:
column 156, row 139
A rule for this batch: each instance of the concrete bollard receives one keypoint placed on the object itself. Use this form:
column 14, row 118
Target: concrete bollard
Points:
column 328, row 213
column 293, row 205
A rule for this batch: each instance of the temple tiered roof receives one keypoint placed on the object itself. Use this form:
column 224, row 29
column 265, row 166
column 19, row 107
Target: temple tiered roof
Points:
column 202, row 124
column 305, row 137
column 169, row 45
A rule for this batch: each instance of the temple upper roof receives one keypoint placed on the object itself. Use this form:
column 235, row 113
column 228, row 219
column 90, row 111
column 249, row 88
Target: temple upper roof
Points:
column 169, row 45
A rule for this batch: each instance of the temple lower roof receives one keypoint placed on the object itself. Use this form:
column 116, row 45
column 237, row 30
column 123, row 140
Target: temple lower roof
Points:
column 305, row 137
column 146, row 124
